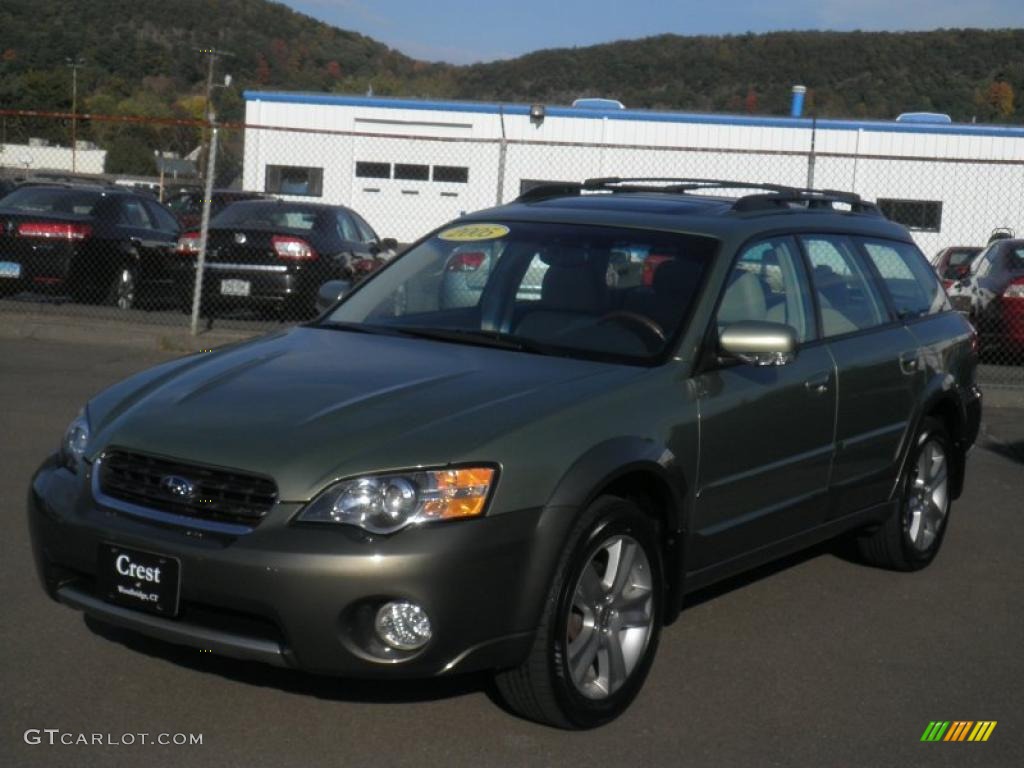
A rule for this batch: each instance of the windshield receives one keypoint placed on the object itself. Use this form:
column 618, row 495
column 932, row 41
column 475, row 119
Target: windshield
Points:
column 263, row 215
column 53, row 200
column 587, row 291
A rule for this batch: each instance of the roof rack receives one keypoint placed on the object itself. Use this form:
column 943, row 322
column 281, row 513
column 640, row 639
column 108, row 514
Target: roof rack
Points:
column 673, row 184
column 769, row 197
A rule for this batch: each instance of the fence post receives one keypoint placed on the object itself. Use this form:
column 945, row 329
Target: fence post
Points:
column 502, row 152
column 810, row 157
column 211, row 170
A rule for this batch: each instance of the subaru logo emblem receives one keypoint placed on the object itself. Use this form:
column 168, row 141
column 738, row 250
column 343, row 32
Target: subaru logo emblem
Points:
column 240, row 238
column 178, row 487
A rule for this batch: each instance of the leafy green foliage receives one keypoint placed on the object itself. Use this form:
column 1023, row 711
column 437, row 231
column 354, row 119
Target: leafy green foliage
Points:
column 143, row 59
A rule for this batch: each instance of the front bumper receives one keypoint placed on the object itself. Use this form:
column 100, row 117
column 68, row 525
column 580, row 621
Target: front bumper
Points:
column 294, row 595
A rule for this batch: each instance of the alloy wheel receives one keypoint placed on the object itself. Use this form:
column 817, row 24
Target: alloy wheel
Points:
column 611, row 618
column 927, row 500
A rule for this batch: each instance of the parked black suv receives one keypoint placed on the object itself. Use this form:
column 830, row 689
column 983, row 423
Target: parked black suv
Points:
column 529, row 483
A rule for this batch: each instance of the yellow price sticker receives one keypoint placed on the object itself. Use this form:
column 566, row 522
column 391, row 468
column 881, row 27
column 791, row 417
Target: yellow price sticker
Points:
column 469, row 232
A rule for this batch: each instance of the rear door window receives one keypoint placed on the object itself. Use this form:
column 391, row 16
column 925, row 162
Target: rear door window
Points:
column 911, row 284
column 133, row 214
column 164, row 220
column 847, row 299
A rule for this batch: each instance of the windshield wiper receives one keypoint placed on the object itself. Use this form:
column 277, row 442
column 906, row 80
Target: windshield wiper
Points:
column 495, row 339
column 376, row 330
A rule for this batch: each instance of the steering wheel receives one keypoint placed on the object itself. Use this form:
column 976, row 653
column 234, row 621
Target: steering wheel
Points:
column 637, row 322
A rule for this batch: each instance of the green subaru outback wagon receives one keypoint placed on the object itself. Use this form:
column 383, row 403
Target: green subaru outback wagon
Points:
column 649, row 388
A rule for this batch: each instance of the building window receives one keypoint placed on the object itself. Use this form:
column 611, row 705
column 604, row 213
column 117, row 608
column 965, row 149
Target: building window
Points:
column 295, row 180
column 412, row 172
column 917, row 215
column 368, row 170
column 525, row 185
column 453, row 173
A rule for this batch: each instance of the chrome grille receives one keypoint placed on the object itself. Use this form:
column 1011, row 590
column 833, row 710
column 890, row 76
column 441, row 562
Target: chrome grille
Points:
column 221, row 495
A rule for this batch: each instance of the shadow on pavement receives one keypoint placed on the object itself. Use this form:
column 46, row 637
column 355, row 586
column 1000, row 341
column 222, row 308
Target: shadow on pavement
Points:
column 294, row 681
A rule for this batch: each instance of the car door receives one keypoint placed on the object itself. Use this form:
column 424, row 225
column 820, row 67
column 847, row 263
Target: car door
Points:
column 144, row 241
column 165, row 239
column 877, row 364
column 766, row 432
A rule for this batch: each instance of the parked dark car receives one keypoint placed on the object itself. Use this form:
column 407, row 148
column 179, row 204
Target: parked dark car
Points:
column 188, row 205
column 273, row 254
column 530, row 485
column 992, row 296
column 94, row 243
column 954, row 263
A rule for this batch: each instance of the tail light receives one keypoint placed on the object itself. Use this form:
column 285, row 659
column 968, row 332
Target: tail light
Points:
column 1015, row 290
column 188, row 244
column 54, row 230
column 467, row 261
column 292, row 248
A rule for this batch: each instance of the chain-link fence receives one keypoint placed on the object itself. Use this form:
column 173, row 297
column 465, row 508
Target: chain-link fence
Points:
column 349, row 193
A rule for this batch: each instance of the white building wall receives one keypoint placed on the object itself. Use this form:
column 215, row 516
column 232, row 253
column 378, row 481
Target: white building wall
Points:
column 50, row 158
column 978, row 178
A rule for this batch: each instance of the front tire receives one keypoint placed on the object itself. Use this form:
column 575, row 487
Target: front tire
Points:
column 912, row 536
column 601, row 623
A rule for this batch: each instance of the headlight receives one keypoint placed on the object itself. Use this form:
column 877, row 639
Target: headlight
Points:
column 76, row 440
column 387, row 503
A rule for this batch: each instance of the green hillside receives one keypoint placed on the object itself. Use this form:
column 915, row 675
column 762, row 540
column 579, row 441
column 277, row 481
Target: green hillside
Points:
column 141, row 58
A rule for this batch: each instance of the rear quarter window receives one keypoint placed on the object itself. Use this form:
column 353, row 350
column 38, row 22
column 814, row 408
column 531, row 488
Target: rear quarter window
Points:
column 910, row 282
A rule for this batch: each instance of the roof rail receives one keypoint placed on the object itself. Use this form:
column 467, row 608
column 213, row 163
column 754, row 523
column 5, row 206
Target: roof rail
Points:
column 768, row 197
column 805, row 199
column 673, row 184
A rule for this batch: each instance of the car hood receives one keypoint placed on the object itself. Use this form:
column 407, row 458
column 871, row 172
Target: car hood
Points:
column 311, row 405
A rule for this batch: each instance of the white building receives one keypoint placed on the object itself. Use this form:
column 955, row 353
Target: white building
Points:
column 40, row 155
column 410, row 165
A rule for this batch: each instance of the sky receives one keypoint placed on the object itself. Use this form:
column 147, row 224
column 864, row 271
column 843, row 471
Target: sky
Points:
column 463, row 31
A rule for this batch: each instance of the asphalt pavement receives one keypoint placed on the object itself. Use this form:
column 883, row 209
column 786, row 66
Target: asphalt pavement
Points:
column 816, row 661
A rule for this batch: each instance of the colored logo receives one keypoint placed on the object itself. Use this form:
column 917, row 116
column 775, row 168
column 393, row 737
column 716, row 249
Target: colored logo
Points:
column 958, row 730
column 178, row 487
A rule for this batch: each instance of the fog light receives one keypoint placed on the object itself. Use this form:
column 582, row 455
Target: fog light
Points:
column 403, row 625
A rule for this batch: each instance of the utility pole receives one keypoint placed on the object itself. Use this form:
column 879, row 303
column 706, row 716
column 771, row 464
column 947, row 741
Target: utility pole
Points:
column 210, row 142
column 212, row 54
column 74, row 64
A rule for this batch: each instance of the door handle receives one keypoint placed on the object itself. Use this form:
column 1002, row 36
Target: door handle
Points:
column 818, row 384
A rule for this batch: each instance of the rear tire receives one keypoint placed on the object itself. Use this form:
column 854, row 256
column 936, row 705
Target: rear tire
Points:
column 599, row 631
column 913, row 534
column 124, row 288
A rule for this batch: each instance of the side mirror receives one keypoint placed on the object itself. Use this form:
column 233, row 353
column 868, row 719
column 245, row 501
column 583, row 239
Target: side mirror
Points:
column 759, row 343
column 389, row 244
column 330, row 293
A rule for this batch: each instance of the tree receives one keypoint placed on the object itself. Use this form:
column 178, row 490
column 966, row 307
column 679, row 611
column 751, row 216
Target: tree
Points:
column 999, row 97
column 750, row 102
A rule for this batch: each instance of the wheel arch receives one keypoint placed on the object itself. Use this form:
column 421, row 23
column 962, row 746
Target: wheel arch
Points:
column 942, row 400
column 647, row 474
